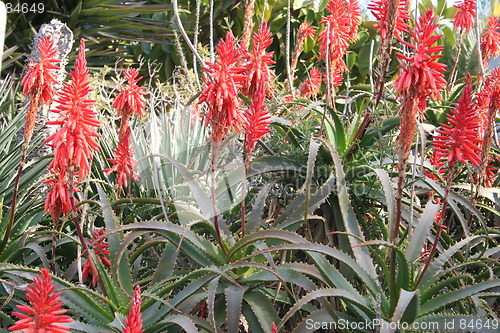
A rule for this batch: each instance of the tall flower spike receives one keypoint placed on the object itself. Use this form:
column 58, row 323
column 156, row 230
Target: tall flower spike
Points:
column 123, row 162
column 39, row 82
column 458, row 141
column 490, row 40
column 464, row 18
column 380, row 9
column 133, row 322
column 58, row 200
column 258, row 62
column 74, row 142
column 422, row 74
column 45, row 313
column 221, row 94
column 130, row 100
column 257, row 121
column 310, row 87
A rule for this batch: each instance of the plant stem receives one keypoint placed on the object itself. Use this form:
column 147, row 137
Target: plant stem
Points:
column 433, row 250
column 243, row 190
column 213, row 162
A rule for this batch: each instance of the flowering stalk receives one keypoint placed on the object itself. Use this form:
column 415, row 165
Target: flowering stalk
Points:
column 463, row 21
column 305, row 31
column 100, row 247
column 133, row 322
column 310, row 87
column 420, row 77
column 490, row 40
column 39, row 85
column 73, row 145
column 223, row 102
column 456, row 142
column 45, row 313
column 129, row 101
column 248, row 22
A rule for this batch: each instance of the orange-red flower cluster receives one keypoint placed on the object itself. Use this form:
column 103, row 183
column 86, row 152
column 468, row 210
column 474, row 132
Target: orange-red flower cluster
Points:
column 490, row 40
column 100, row 247
column 129, row 101
column 45, row 313
column 340, row 28
column 74, row 142
column 380, row 9
column 422, row 74
column 133, row 322
column 464, row 18
column 123, row 163
column 221, row 92
column 459, row 141
column 39, row 82
column 310, row 87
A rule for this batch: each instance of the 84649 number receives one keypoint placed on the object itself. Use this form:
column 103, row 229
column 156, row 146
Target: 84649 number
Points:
column 25, row 8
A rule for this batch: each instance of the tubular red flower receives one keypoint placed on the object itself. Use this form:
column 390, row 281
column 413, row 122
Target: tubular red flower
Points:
column 490, row 40
column 458, row 141
column 124, row 164
column 130, row 100
column 464, row 18
column 45, row 313
column 221, row 95
column 58, row 200
column 258, row 62
column 100, row 247
column 39, row 82
column 310, row 87
column 273, row 328
column 133, row 322
column 421, row 74
column 334, row 37
column 257, row 121
column 74, row 142
column 380, row 9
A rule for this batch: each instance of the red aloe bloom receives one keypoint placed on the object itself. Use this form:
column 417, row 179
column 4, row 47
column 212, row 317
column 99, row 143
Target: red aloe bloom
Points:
column 130, row 100
column 337, row 30
column 380, row 9
column 305, row 31
column 39, row 82
column 257, row 121
column 422, row 74
column 58, row 200
column 124, row 164
column 353, row 18
column 73, row 143
column 273, row 328
column 258, row 62
column 100, row 247
column 458, row 141
column 490, row 40
column 464, row 18
column 310, row 87
column 40, row 79
column 221, row 95
column 133, row 322
column 45, row 313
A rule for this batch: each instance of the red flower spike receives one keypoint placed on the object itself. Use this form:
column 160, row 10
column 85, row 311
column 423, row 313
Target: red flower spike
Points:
column 124, row 164
column 305, row 31
column 133, row 322
column 221, row 95
column 257, row 121
column 353, row 18
column 380, row 9
column 74, row 142
column 100, row 247
column 45, row 313
column 421, row 73
column 273, row 328
column 464, row 18
column 337, row 30
column 40, row 79
column 258, row 62
column 39, row 82
column 130, row 100
column 310, row 87
column 490, row 40
column 58, row 200
column 459, row 141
